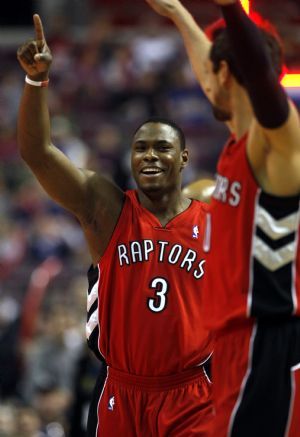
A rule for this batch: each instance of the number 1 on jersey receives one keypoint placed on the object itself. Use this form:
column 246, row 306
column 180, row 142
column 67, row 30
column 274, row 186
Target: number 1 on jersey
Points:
column 161, row 289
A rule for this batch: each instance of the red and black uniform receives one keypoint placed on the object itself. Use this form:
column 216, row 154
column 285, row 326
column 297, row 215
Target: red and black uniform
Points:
column 144, row 320
column 251, row 300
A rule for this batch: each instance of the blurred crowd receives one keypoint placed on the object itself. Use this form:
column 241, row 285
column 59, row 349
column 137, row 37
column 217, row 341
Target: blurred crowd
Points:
column 107, row 77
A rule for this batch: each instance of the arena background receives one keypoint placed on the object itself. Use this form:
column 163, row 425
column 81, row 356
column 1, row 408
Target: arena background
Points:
column 115, row 64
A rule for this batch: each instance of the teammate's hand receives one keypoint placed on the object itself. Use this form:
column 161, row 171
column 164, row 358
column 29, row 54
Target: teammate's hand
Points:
column 164, row 7
column 35, row 56
column 225, row 2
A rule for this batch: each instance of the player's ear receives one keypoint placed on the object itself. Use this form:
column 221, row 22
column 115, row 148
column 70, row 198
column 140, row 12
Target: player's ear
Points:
column 224, row 74
column 184, row 158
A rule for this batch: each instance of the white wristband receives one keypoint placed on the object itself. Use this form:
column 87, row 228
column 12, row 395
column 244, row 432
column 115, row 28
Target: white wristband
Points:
column 43, row 83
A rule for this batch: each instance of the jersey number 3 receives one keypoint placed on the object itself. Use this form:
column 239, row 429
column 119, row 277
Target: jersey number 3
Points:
column 161, row 289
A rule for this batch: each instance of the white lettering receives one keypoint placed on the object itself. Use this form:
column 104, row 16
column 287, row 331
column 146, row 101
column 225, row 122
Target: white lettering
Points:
column 189, row 258
column 136, row 251
column 220, row 192
column 123, row 254
column 162, row 244
column 175, row 248
column 235, row 198
column 148, row 247
column 199, row 273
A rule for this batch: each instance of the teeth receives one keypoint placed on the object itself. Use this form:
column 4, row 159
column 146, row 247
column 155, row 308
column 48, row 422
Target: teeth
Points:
column 151, row 170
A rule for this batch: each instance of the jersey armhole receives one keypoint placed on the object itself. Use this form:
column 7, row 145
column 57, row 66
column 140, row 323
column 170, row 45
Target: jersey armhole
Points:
column 117, row 229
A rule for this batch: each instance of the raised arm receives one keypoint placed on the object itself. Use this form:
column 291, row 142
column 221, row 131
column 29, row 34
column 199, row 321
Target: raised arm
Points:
column 274, row 112
column 196, row 42
column 90, row 197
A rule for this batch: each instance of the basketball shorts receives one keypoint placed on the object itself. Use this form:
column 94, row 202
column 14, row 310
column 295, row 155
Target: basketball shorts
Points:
column 256, row 375
column 132, row 406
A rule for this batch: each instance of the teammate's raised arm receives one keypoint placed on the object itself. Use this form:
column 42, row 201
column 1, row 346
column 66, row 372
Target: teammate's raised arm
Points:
column 196, row 42
column 84, row 193
column 269, row 100
column 270, row 103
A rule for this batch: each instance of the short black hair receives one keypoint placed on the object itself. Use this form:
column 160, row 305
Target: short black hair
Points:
column 168, row 122
column 221, row 51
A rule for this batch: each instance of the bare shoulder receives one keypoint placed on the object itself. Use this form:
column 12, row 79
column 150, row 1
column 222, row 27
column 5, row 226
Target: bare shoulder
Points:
column 286, row 138
column 103, row 209
column 274, row 155
column 105, row 199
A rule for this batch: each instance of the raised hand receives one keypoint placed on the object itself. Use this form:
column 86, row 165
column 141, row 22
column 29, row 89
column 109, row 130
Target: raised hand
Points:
column 35, row 56
column 164, row 7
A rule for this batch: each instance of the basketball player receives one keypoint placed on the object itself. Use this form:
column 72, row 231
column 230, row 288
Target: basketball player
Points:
column 201, row 189
column 148, row 266
column 252, row 292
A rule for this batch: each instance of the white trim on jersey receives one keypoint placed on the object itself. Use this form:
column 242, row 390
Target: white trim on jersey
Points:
column 100, row 397
column 92, row 296
column 244, row 382
column 206, row 376
column 250, row 290
column 202, row 364
column 273, row 259
column 294, row 266
column 205, row 359
column 91, row 324
column 93, row 319
column 207, row 235
column 276, row 229
column 292, row 400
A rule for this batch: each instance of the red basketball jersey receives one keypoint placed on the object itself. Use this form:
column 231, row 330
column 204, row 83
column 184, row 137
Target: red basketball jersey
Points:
column 252, row 246
column 143, row 300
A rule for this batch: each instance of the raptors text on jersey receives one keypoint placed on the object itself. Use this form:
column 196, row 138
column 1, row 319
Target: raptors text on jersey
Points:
column 144, row 296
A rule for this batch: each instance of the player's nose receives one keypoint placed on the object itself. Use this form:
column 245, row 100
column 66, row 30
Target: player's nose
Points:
column 150, row 154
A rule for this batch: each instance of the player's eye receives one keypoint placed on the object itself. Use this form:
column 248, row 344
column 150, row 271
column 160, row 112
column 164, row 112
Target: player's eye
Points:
column 139, row 148
column 163, row 147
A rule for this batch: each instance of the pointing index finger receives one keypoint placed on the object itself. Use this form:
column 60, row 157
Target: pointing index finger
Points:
column 38, row 27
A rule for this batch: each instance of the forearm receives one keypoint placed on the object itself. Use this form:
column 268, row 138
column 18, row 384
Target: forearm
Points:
column 33, row 123
column 196, row 42
column 268, row 98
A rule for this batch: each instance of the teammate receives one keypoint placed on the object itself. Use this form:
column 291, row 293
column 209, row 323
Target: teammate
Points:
column 201, row 189
column 148, row 266
column 252, row 289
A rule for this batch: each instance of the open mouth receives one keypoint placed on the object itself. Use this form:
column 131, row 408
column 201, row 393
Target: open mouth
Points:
column 151, row 171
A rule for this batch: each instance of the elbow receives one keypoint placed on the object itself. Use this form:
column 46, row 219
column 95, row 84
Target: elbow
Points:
column 31, row 155
column 25, row 152
column 31, row 150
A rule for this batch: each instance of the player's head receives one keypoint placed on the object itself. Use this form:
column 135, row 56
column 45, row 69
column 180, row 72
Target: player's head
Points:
column 221, row 62
column 202, row 189
column 158, row 155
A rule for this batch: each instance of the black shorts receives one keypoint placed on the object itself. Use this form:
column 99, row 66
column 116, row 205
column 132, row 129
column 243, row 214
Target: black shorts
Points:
column 256, row 375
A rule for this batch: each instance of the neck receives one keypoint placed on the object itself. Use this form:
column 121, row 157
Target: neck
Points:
column 241, row 110
column 164, row 206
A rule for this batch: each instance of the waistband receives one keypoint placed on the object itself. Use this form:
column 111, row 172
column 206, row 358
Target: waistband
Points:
column 157, row 383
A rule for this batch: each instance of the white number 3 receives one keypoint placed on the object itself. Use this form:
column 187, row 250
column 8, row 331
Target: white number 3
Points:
column 159, row 302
